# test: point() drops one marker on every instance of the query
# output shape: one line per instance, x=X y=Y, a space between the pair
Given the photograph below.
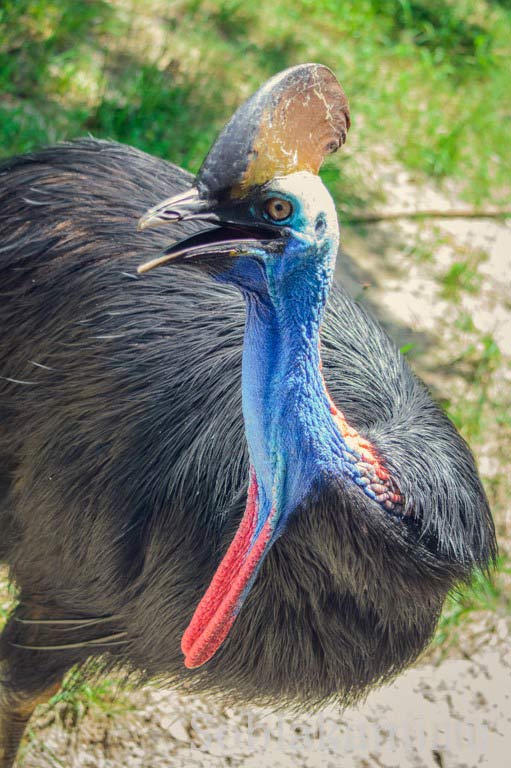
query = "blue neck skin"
x=292 y=438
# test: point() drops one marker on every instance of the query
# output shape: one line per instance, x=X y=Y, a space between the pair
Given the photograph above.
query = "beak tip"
x=147 y=220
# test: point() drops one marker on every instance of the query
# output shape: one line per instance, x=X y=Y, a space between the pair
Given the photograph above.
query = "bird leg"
x=15 y=712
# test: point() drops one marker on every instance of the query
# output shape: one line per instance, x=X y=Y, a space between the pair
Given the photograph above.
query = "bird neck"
x=291 y=435
x=298 y=439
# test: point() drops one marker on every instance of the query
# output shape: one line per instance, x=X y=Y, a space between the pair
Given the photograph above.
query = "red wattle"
x=216 y=612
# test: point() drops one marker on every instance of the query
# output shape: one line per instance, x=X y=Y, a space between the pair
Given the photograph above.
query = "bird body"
x=136 y=411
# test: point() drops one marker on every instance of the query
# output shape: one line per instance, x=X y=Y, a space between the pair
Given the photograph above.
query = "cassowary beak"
x=231 y=237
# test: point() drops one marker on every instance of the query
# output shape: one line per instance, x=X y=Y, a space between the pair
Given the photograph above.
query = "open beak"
x=231 y=236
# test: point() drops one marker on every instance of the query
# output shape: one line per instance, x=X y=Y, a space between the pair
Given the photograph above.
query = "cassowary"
x=137 y=409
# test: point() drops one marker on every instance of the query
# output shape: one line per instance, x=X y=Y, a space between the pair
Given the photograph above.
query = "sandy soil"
x=454 y=716
x=452 y=712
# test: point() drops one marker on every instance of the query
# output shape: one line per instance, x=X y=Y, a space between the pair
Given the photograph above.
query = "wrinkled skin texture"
x=124 y=470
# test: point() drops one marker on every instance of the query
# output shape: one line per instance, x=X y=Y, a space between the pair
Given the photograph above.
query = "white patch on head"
x=314 y=200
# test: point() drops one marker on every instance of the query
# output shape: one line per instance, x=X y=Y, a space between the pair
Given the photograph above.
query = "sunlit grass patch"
x=80 y=695
x=427 y=80
x=476 y=412
x=462 y=276
x=489 y=593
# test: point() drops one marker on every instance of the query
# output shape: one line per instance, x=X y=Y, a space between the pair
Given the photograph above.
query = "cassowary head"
x=377 y=511
x=273 y=217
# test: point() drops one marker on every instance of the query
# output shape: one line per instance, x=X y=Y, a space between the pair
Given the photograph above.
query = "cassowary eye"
x=278 y=209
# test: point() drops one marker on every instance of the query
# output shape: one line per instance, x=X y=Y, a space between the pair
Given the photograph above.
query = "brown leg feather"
x=14 y=716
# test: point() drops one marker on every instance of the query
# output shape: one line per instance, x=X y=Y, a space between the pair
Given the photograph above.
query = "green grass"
x=487 y=593
x=461 y=276
x=426 y=78
x=79 y=696
x=480 y=409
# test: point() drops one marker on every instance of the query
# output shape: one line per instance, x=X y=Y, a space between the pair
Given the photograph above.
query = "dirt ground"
x=453 y=716
x=453 y=710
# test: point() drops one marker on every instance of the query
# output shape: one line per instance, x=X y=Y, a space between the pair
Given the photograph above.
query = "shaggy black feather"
x=123 y=464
